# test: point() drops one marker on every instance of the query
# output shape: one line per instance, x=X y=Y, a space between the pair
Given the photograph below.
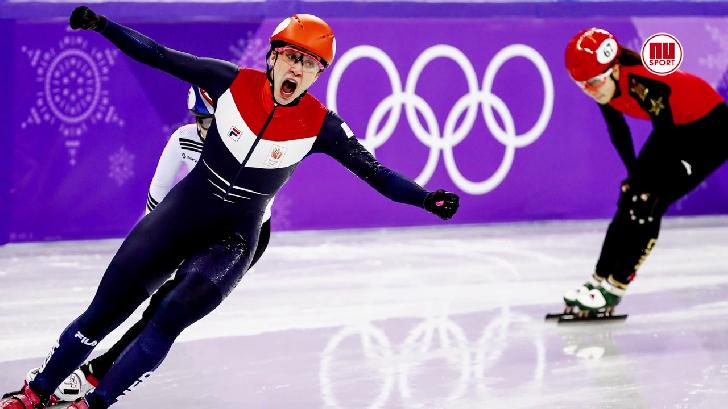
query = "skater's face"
x=203 y=125
x=294 y=71
x=602 y=87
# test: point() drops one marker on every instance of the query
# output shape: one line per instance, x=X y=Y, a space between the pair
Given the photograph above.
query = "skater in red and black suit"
x=264 y=125
x=688 y=142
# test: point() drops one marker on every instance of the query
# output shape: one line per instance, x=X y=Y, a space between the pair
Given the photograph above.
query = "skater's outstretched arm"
x=620 y=135
x=338 y=141
x=214 y=75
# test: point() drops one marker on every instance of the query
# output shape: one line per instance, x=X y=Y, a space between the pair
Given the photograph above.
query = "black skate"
x=591 y=303
x=569 y=311
x=586 y=316
x=592 y=316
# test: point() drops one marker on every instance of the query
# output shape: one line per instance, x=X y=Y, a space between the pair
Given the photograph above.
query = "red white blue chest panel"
x=241 y=115
x=256 y=144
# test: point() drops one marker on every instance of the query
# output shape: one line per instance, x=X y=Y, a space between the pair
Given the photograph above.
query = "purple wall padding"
x=6 y=138
x=479 y=106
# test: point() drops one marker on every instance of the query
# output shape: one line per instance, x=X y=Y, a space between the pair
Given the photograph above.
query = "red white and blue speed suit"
x=252 y=148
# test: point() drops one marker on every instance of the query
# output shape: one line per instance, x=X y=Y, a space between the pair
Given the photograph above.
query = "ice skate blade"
x=600 y=317
x=556 y=316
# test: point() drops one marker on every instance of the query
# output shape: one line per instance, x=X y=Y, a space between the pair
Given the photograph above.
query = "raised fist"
x=85 y=19
x=441 y=203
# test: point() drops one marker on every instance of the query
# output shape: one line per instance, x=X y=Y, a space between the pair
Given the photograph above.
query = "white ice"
x=437 y=317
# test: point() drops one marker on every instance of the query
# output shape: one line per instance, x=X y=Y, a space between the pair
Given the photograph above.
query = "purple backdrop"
x=88 y=123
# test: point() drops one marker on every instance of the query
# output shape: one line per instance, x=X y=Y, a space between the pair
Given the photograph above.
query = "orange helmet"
x=590 y=53
x=308 y=32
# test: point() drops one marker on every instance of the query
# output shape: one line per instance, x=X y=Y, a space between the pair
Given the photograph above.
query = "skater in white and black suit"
x=265 y=124
x=183 y=148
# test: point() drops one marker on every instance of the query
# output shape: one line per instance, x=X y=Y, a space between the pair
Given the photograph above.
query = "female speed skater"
x=688 y=142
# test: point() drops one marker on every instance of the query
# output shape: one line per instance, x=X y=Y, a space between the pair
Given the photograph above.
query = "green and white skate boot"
x=571 y=297
x=602 y=299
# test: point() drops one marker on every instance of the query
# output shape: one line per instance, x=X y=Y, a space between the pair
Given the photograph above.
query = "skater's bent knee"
x=191 y=300
x=640 y=207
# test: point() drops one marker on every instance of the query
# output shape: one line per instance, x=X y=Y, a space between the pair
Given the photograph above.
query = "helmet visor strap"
x=292 y=56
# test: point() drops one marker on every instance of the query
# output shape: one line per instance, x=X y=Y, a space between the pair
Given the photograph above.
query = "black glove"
x=85 y=19
x=441 y=203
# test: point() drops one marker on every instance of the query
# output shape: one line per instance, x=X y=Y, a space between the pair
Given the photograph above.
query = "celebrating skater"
x=264 y=125
x=689 y=141
x=182 y=152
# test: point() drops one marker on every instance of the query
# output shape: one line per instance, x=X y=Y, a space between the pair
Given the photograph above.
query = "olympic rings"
x=444 y=139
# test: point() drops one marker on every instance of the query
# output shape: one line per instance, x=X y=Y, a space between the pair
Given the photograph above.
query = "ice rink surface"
x=437 y=317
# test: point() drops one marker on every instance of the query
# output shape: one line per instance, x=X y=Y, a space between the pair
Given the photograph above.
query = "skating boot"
x=76 y=385
x=26 y=398
x=28 y=377
x=90 y=374
x=571 y=297
x=78 y=404
x=601 y=300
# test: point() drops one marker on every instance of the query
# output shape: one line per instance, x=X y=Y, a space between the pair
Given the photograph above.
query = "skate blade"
x=556 y=316
x=571 y=318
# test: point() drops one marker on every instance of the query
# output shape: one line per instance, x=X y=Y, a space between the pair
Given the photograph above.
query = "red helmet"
x=590 y=53
x=309 y=33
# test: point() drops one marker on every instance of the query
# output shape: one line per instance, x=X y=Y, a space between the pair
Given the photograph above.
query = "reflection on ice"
x=440 y=317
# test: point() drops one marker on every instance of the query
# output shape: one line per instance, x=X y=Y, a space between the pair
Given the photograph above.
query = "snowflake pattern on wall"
x=121 y=166
x=719 y=59
x=71 y=80
x=250 y=51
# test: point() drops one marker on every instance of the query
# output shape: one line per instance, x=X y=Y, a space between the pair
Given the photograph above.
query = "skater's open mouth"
x=288 y=87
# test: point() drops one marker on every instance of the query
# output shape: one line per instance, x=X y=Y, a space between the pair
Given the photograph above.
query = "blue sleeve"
x=336 y=140
x=215 y=76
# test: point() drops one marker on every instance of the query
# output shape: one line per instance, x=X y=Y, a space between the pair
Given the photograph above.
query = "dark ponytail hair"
x=629 y=57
